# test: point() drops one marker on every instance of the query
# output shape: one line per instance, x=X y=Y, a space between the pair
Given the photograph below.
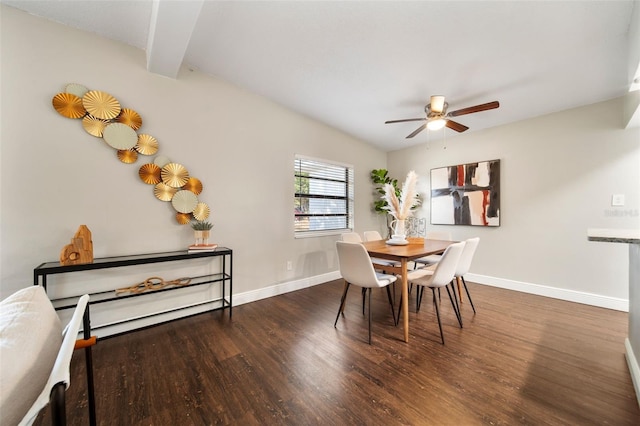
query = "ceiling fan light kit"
x=436 y=123
x=437 y=116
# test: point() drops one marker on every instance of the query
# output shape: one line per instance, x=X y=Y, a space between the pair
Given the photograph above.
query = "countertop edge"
x=628 y=236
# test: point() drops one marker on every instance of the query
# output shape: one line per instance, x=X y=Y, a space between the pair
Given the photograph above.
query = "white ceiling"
x=355 y=64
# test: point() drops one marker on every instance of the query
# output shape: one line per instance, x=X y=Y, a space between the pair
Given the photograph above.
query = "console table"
x=222 y=278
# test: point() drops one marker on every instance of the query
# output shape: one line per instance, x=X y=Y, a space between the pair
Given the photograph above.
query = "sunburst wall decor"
x=103 y=117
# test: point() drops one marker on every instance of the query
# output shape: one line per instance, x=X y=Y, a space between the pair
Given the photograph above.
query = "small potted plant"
x=202 y=230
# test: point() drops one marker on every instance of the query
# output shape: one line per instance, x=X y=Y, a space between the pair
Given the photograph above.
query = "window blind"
x=323 y=202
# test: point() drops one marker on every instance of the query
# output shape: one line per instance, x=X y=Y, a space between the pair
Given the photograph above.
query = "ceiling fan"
x=438 y=117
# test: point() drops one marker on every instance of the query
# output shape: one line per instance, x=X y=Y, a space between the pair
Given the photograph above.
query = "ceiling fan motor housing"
x=432 y=114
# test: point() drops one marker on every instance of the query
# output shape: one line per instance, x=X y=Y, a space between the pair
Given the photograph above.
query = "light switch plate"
x=617 y=200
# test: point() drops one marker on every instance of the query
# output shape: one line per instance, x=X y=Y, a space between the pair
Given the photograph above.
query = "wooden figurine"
x=80 y=250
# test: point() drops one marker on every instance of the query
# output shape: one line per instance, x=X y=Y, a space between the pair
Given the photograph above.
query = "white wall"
x=56 y=177
x=558 y=173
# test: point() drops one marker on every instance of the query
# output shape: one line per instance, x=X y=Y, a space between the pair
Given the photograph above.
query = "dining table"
x=414 y=249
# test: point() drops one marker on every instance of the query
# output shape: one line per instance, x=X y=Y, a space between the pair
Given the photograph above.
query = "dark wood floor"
x=523 y=359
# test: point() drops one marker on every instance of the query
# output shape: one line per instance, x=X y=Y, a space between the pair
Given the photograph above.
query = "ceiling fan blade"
x=477 y=108
x=453 y=125
x=416 y=131
x=402 y=121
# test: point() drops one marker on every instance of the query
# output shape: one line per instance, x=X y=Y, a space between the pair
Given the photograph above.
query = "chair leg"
x=456 y=309
x=57 y=403
x=369 y=315
x=88 y=359
x=419 y=293
x=468 y=295
x=415 y=266
x=435 y=302
x=346 y=284
x=393 y=313
x=364 y=293
x=397 y=319
x=344 y=298
x=455 y=298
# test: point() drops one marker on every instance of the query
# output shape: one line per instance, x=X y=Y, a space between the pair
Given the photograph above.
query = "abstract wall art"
x=466 y=194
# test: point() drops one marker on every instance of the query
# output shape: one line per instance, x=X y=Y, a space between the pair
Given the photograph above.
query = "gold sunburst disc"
x=101 y=105
x=68 y=105
x=127 y=156
x=201 y=212
x=174 y=175
x=150 y=174
x=183 y=218
x=94 y=126
x=147 y=145
x=194 y=185
x=130 y=118
x=164 y=192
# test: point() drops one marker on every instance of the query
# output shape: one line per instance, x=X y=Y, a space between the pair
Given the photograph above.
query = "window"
x=323 y=203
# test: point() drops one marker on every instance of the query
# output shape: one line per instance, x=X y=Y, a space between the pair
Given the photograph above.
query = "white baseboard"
x=634 y=369
x=282 y=288
x=541 y=290
x=554 y=292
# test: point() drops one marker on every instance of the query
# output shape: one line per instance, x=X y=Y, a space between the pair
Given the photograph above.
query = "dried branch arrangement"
x=400 y=208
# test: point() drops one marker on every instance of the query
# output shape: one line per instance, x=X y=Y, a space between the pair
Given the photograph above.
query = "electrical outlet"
x=617 y=200
x=289 y=265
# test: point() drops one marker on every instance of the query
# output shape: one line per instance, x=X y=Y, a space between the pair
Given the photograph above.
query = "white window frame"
x=302 y=162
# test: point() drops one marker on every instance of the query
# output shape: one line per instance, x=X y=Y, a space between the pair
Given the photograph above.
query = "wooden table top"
x=417 y=247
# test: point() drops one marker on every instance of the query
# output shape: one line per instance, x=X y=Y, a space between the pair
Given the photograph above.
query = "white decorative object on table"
x=400 y=208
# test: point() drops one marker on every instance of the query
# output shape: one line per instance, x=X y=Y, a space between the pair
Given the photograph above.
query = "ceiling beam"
x=172 y=23
x=632 y=100
x=633 y=59
x=632 y=110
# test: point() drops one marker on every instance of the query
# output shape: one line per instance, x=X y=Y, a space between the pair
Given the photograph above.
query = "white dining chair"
x=434 y=258
x=379 y=263
x=372 y=235
x=375 y=236
x=354 y=237
x=356 y=268
x=350 y=237
x=464 y=265
x=441 y=275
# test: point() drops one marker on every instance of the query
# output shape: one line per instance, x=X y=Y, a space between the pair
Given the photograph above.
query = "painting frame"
x=466 y=194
